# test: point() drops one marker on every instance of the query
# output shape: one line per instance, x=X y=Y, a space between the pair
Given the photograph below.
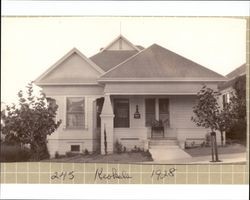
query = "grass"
x=206 y=151
x=128 y=157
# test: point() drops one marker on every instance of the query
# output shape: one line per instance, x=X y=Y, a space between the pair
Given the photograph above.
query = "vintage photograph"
x=126 y=90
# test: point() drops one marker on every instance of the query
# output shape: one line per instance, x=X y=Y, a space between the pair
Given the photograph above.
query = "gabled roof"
x=232 y=76
x=119 y=50
x=241 y=70
x=108 y=59
x=156 y=62
x=121 y=43
x=41 y=80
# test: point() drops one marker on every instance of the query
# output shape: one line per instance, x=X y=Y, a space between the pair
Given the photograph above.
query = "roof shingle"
x=237 y=72
x=108 y=59
x=158 y=62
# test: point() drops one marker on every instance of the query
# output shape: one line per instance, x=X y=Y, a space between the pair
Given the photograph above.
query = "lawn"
x=206 y=151
x=128 y=157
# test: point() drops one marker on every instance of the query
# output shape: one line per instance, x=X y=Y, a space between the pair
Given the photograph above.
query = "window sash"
x=75 y=112
x=75 y=148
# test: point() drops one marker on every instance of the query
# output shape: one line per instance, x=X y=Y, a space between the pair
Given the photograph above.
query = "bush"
x=57 y=154
x=147 y=154
x=118 y=147
x=86 y=152
x=208 y=140
x=71 y=154
x=137 y=149
x=11 y=153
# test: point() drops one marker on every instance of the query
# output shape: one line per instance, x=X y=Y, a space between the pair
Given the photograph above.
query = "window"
x=164 y=111
x=75 y=148
x=225 y=99
x=75 y=112
x=150 y=111
x=121 y=110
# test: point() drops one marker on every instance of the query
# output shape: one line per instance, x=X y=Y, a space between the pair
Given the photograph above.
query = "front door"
x=121 y=111
x=157 y=116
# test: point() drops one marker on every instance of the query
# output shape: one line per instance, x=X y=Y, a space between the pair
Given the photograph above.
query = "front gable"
x=121 y=43
x=73 y=68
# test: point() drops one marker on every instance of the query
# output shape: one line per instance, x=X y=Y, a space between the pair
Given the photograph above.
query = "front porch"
x=128 y=120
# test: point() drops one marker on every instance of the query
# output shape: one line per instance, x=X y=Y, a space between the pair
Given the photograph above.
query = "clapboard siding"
x=181 y=111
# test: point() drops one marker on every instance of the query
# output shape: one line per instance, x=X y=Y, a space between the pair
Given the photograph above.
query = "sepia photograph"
x=123 y=90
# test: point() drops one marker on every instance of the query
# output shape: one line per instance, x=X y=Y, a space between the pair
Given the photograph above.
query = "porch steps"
x=166 y=149
x=163 y=143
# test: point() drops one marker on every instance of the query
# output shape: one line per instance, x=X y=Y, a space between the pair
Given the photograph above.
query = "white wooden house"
x=120 y=91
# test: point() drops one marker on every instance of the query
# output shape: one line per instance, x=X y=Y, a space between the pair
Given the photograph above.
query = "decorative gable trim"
x=71 y=52
x=123 y=38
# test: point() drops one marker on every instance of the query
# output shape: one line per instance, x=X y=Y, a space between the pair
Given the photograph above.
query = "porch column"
x=157 y=109
x=107 y=124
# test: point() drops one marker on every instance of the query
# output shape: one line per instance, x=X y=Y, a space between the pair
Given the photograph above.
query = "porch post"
x=107 y=124
x=157 y=109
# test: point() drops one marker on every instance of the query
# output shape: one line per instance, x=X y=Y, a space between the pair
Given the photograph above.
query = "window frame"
x=75 y=145
x=84 y=113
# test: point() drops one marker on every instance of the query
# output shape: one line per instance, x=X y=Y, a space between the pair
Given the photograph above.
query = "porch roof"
x=156 y=62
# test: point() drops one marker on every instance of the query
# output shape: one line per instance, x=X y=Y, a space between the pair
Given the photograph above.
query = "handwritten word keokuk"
x=99 y=174
x=63 y=175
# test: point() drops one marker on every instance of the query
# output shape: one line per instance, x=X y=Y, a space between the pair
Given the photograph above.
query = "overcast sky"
x=31 y=45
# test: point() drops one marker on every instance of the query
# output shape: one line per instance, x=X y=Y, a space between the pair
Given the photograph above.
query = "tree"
x=209 y=114
x=238 y=103
x=30 y=122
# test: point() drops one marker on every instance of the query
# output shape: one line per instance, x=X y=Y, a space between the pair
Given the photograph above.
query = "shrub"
x=147 y=154
x=86 y=152
x=137 y=149
x=118 y=147
x=57 y=154
x=10 y=153
x=71 y=154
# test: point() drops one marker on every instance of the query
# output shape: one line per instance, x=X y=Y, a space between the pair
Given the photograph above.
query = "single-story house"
x=118 y=93
x=226 y=88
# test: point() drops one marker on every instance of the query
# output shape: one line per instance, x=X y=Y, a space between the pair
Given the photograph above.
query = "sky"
x=30 y=45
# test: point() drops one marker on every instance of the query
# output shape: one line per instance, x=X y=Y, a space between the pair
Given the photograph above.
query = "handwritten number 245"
x=63 y=175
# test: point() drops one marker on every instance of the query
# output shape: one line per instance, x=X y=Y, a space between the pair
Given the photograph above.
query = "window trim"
x=85 y=113
x=75 y=145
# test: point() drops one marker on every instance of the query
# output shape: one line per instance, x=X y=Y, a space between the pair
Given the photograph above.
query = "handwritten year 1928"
x=63 y=175
x=161 y=174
